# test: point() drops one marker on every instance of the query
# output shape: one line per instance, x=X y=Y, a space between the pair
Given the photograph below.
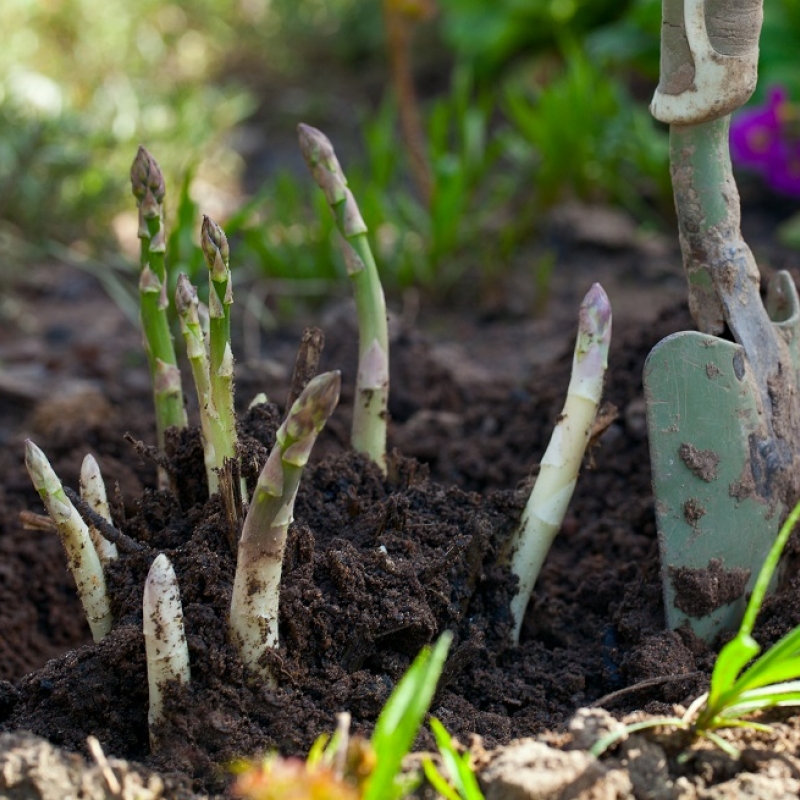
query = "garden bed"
x=375 y=567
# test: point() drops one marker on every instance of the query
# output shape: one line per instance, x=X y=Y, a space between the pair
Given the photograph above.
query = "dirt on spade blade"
x=376 y=567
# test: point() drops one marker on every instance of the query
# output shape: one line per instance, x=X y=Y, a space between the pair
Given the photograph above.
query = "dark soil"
x=375 y=568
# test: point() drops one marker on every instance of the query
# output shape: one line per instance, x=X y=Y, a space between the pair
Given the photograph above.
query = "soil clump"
x=376 y=567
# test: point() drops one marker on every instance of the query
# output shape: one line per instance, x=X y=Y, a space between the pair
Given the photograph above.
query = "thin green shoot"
x=771 y=681
x=400 y=720
x=462 y=783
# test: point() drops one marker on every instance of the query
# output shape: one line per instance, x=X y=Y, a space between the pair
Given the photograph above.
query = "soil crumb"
x=698 y=592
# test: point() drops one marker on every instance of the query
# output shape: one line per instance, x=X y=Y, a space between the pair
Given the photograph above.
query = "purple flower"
x=765 y=139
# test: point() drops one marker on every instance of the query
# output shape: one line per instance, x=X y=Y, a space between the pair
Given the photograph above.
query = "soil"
x=376 y=566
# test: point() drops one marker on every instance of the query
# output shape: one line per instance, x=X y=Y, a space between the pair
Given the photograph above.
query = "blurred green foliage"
x=491 y=34
x=780 y=49
x=546 y=99
x=82 y=83
x=589 y=139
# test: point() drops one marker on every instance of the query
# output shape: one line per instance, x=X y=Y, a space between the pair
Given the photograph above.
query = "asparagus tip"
x=215 y=249
x=315 y=146
x=147 y=183
x=321 y=159
x=185 y=295
x=598 y=307
x=38 y=468
x=315 y=405
x=594 y=324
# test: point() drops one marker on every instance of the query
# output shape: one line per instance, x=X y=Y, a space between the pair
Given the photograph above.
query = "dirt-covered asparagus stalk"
x=84 y=563
x=558 y=474
x=93 y=491
x=370 y=410
x=187 y=305
x=164 y=637
x=147 y=183
x=256 y=587
x=220 y=299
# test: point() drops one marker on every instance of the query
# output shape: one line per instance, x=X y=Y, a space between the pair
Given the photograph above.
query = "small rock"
x=531 y=770
x=590 y=724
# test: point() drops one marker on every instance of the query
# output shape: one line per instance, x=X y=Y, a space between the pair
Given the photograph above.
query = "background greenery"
x=524 y=103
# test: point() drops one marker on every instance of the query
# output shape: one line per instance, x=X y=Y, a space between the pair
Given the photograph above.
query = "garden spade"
x=722 y=402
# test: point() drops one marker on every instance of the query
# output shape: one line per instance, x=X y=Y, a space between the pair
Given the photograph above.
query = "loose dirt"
x=376 y=567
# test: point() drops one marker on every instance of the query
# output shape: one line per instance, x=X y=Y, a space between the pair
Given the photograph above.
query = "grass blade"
x=399 y=722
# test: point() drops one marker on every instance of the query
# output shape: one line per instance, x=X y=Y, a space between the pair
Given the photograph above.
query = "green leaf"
x=777 y=694
x=457 y=766
x=730 y=662
x=399 y=722
x=780 y=663
x=438 y=781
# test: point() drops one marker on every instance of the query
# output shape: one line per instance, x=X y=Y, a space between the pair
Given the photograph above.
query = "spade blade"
x=714 y=530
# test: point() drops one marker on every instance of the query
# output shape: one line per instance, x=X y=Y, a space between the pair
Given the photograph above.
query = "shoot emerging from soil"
x=147 y=183
x=84 y=563
x=187 y=306
x=256 y=586
x=215 y=248
x=164 y=638
x=558 y=475
x=93 y=491
x=370 y=410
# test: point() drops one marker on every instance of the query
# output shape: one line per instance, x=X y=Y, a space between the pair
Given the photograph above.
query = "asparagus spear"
x=147 y=183
x=370 y=412
x=93 y=491
x=558 y=475
x=186 y=303
x=256 y=586
x=82 y=558
x=220 y=298
x=164 y=638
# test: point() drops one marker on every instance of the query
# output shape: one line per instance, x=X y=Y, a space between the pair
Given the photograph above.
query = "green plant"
x=370 y=410
x=736 y=689
x=219 y=408
x=341 y=768
x=259 y=563
x=490 y=35
x=79 y=87
x=589 y=139
x=462 y=783
x=148 y=187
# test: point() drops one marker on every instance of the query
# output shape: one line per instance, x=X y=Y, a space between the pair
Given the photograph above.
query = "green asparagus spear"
x=220 y=298
x=370 y=413
x=147 y=183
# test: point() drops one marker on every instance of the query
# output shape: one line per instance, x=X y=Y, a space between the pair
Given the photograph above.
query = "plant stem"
x=220 y=298
x=370 y=411
x=164 y=638
x=547 y=504
x=256 y=586
x=93 y=491
x=399 y=20
x=186 y=303
x=147 y=183
x=82 y=558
